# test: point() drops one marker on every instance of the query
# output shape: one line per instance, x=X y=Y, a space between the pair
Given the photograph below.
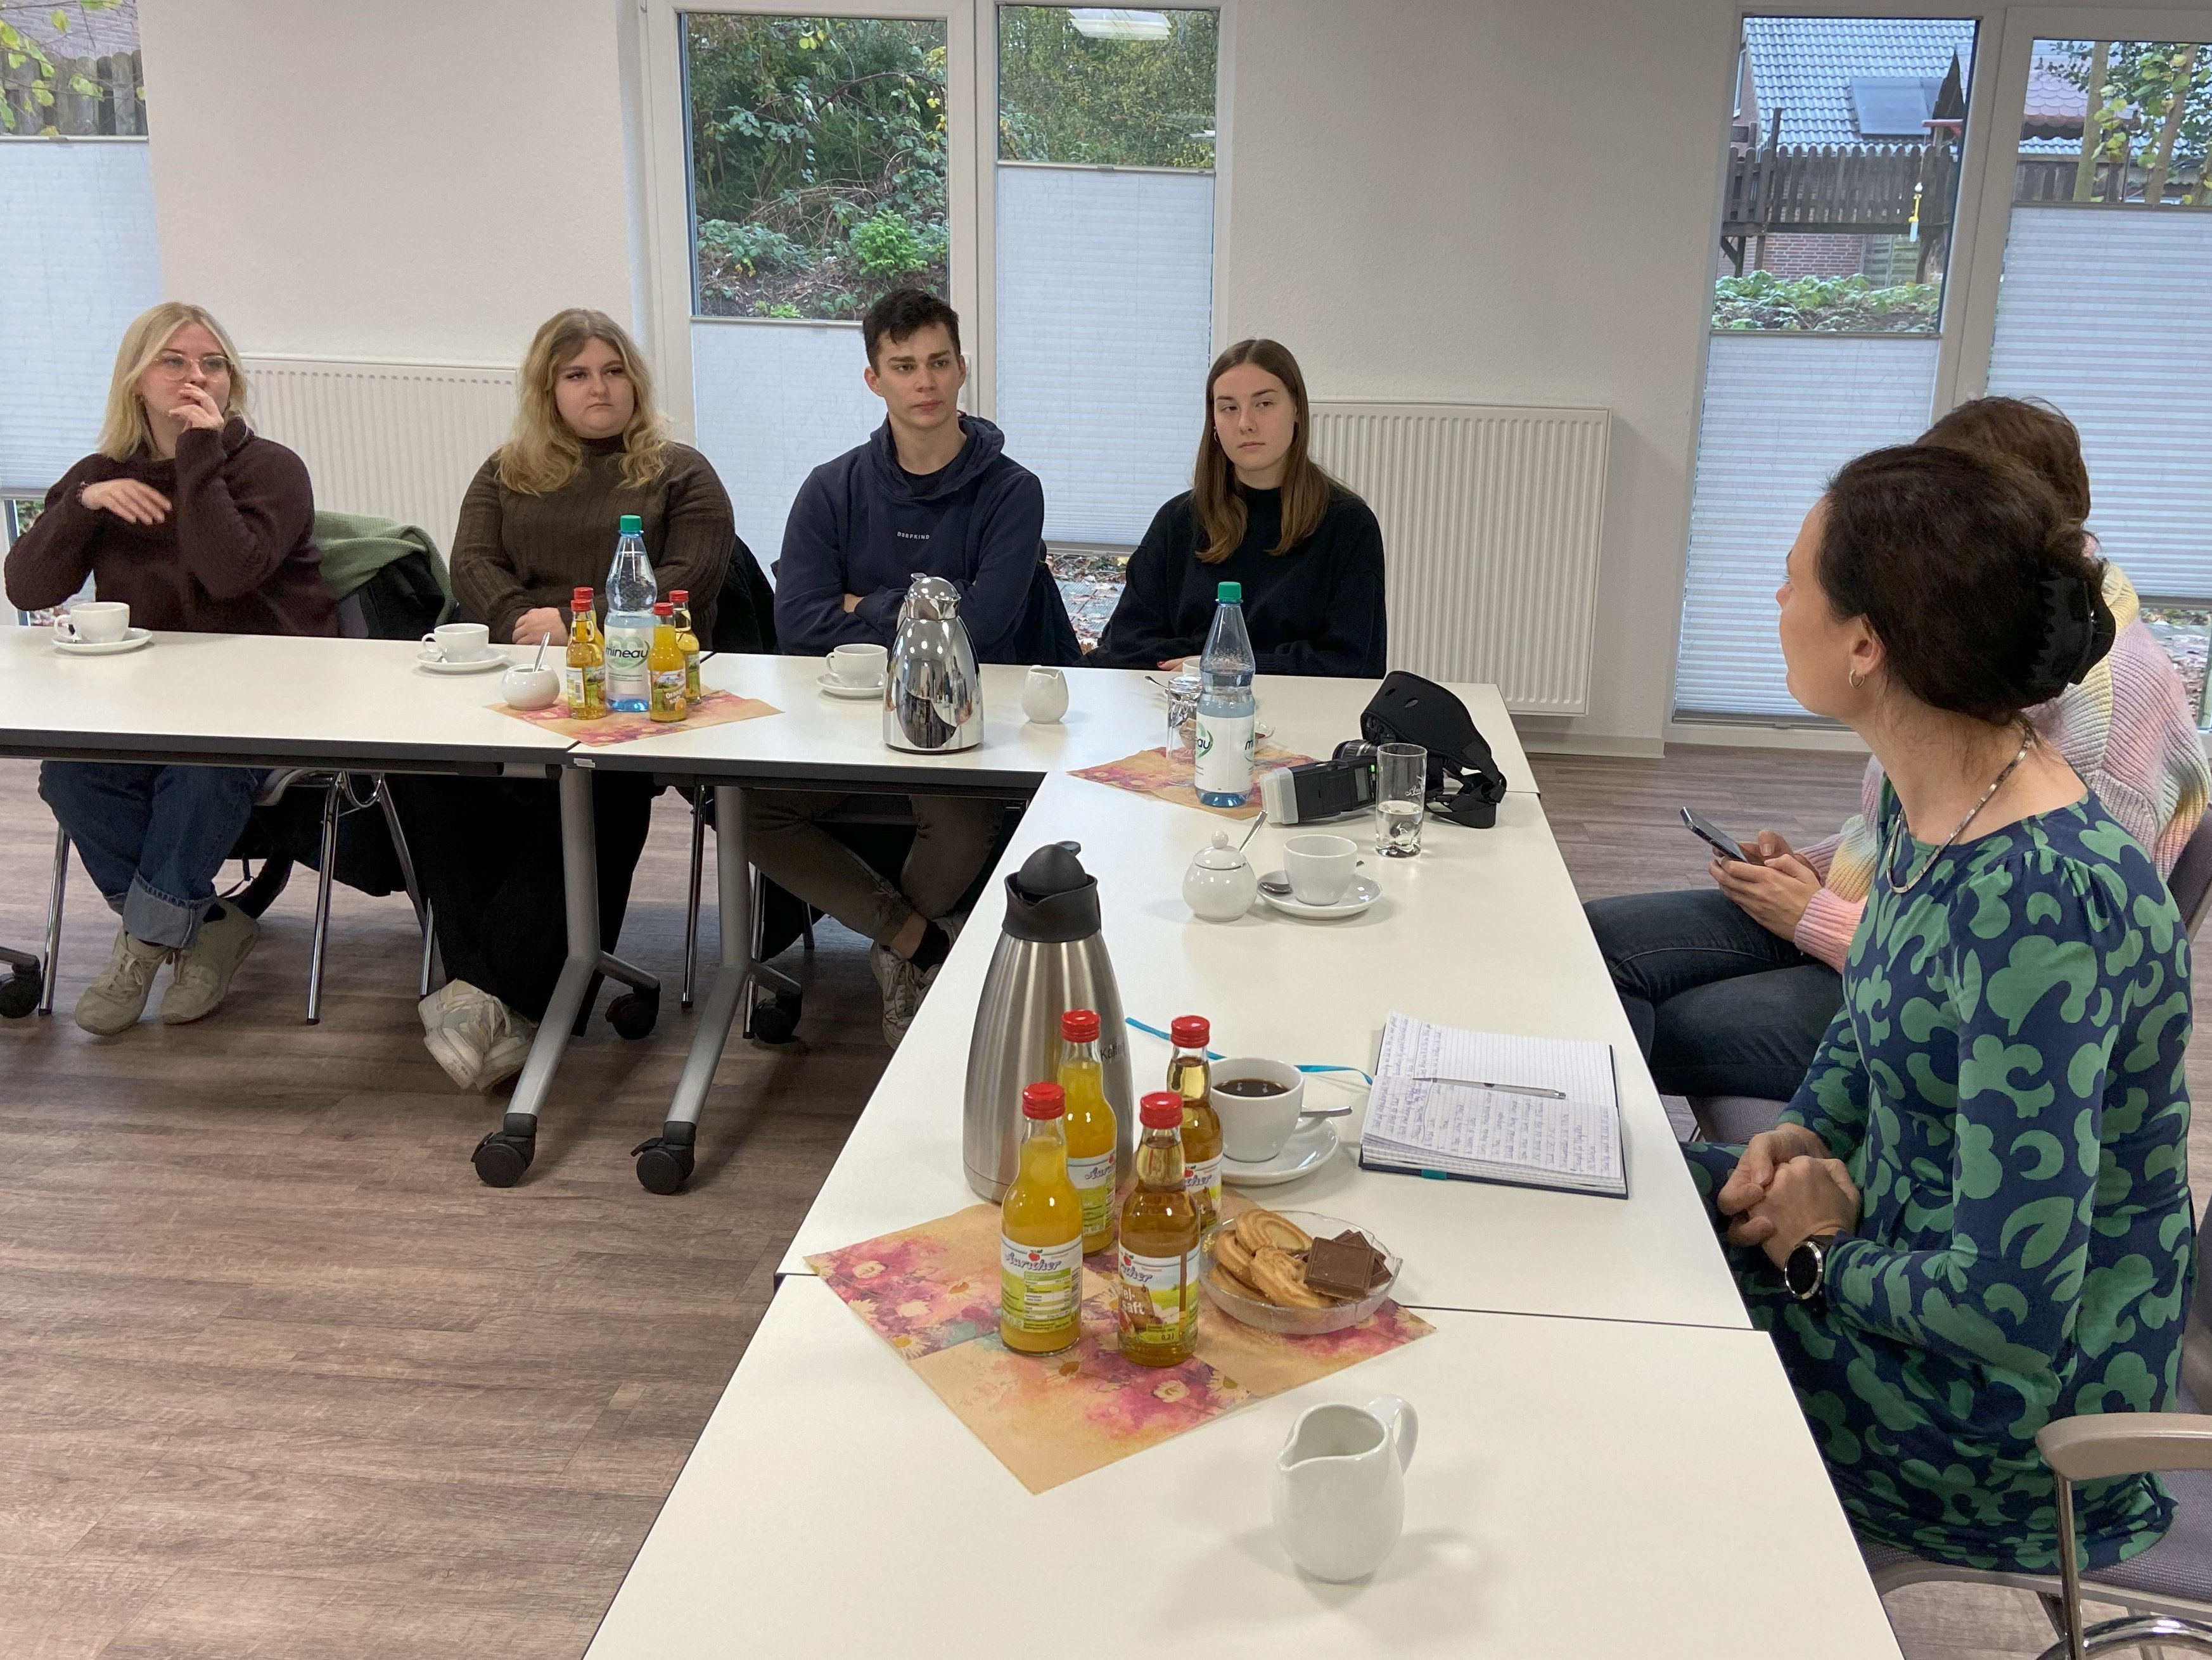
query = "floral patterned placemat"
x=626 y=725
x=1167 y=774
x=931 y=1292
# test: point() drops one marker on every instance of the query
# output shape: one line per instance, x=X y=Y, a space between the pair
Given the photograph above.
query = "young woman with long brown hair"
x=1260 y=512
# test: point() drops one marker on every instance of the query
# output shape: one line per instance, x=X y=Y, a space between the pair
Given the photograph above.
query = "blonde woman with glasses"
x=196 y=523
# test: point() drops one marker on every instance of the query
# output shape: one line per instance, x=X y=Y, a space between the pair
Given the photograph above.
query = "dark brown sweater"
x=234 y=555
x=513 y=553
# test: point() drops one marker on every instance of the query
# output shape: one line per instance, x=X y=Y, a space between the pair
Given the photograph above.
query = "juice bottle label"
x=668 y=694
x=1201 y=1179
x=1039 y=1285
x=1159 y=1300
x=1094 y=1186
x=587 y=690
x=691 y=692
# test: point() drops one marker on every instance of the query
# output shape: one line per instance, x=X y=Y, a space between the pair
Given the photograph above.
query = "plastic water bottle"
x=630 y=594
x=1226 y=711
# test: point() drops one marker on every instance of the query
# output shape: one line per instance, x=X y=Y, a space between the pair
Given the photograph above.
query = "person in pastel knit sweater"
x=1730 y=989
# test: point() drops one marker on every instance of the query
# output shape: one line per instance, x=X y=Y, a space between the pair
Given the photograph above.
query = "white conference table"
x=1579 y=1488
x=817 y=741
x=1482 y=930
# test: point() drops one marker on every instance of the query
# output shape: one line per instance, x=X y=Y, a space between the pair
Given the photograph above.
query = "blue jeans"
x=152 y=838
x=1720 y=1007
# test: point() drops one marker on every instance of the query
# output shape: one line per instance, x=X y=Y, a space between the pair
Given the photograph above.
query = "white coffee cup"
x=1253 y=1127
x=456 y=642
x=858 y=665
x=1320 y=867
x=95 y=621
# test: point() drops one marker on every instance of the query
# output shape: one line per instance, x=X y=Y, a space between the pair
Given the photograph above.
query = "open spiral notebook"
x=1439 y=1109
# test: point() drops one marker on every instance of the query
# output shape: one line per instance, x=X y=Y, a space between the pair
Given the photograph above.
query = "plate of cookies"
x=1297 y=1271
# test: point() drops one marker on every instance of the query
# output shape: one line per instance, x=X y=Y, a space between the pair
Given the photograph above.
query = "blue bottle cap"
x=632 y=525
x=1230 y=593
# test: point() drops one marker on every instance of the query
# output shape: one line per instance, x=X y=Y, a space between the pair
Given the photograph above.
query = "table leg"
x=664 y=1163
x=502 y=1156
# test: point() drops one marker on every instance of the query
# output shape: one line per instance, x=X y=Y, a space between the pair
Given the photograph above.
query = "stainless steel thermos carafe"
x=1050 y=959
x=933 y=697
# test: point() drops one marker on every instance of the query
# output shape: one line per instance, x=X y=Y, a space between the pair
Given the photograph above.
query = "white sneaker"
x=900 y=982
x=509 y=1050
x=117 y=996
x=472 y=1025
x=453 y=995
x=201 y=977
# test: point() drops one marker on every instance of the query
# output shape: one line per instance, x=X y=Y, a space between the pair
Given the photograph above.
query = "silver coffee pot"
x=1050 y=959
x=932 y=697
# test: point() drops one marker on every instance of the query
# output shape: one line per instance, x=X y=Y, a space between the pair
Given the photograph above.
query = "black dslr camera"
x=1465 y=785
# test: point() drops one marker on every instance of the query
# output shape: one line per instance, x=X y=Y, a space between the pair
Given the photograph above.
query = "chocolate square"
x=1343 y=1267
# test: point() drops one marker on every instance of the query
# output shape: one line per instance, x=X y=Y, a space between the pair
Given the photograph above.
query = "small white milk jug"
x=1340 y=1485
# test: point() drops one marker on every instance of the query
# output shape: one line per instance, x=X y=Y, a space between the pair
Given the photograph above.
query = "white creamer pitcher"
x=1340 y=1485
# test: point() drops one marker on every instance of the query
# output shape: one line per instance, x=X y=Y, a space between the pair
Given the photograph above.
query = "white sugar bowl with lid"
x=1220 y=884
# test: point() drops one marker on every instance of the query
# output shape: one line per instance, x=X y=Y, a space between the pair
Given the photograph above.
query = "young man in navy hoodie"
x=932 y=492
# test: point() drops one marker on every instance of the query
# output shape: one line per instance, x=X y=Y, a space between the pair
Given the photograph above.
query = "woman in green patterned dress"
x=1975 y=1217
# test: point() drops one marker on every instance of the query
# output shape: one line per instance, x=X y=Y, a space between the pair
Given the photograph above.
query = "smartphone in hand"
x=1714 y=837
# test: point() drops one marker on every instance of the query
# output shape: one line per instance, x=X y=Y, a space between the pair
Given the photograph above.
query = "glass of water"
x=1401 y=794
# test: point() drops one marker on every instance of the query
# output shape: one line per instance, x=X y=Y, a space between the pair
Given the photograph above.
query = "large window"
x=1839 y=193
x=78 y=254
x=817 y=153
x=2104 y=304
x=1104 y=258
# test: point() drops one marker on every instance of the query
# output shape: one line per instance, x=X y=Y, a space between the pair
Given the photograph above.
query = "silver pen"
x=1502 y=1088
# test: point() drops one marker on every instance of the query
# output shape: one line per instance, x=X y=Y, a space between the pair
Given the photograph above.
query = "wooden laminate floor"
x=278 y=1377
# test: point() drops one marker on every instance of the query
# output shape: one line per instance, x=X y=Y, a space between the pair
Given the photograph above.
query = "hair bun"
x=2077 y=632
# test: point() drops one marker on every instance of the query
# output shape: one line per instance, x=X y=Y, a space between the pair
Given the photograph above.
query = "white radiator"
x=1491 y=519
x=399 y=440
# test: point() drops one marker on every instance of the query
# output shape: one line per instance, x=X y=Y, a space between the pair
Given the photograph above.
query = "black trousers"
x=487 y=854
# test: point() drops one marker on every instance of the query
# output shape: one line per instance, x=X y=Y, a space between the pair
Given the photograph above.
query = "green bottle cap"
x=1230 y=593
x=632 y=525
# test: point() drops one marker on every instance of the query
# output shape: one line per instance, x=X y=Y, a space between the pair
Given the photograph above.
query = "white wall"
x=414 y=179
x=1481 y=201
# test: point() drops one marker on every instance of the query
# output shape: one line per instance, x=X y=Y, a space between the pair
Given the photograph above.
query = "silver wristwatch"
x=1803 y=1269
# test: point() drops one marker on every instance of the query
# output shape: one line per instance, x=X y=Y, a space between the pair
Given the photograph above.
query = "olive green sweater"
x=513 y=553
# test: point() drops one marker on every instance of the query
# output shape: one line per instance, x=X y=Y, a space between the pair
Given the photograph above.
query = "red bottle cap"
x=681 y=596
x=1161 y=1110
x=1079 y=1026
x=1190 y=1031
x=663 y=608
x=1046 y=1101
x=580 y=599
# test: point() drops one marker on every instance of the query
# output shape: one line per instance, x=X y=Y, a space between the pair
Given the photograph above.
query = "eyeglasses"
x=175 y=362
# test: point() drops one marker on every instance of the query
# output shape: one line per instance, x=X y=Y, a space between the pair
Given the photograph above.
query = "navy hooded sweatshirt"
x=863 y=524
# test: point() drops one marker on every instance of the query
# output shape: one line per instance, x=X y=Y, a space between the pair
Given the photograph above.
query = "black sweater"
x=1314 y=609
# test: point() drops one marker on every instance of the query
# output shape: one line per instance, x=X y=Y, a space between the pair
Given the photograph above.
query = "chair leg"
x=54 y=919
x=322 y=904
x=423 y=918
x=430 y=950
x=691 y=908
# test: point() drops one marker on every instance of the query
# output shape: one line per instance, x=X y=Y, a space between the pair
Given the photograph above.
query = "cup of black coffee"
x=1258 y=1102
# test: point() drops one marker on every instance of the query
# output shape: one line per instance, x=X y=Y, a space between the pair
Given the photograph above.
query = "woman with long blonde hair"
x=1303 y=553
x=196 y=523
x=540 y=521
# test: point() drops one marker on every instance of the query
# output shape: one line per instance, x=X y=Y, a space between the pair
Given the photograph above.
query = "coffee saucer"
x=833 y=687
x=131 y=641
x=1358 y=897
x=1312 y=1144
x=473 y=665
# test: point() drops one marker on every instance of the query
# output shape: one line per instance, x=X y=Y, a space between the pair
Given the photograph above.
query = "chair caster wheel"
x=19 y=995
x=501 y=1157
x=663 y=1165
x=776 y=1020
x=633 y=1013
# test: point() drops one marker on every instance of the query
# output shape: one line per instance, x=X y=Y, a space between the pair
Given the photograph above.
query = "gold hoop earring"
x=1854 y=677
